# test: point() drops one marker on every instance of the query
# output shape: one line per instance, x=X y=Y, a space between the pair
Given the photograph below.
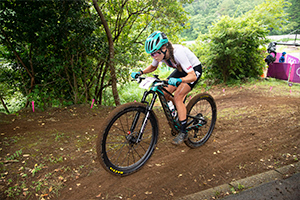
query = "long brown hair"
x=171 y=54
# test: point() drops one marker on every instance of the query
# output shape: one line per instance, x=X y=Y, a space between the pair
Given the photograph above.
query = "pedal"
x=174 y=133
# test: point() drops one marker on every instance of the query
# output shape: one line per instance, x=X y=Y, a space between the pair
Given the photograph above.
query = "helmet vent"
x=157 y=41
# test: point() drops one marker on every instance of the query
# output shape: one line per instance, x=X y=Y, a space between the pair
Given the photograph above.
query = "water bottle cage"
x=173 y=113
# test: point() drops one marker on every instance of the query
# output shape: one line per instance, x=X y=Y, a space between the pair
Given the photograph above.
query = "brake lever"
x=139 y=79
x=137 y=75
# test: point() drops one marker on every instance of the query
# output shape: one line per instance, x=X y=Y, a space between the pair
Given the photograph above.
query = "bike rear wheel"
x=202 y=116
x=118 y=148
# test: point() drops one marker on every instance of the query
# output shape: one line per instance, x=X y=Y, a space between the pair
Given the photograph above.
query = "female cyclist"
x=187 y=72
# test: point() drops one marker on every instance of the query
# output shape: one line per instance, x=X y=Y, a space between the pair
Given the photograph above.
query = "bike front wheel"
x=202 y=116
x=120 y=150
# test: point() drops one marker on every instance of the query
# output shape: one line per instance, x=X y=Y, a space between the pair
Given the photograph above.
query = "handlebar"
x=139 y=79
x=157 y=82
x=136 y=76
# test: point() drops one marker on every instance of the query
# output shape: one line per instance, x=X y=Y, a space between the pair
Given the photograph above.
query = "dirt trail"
x=256 y=131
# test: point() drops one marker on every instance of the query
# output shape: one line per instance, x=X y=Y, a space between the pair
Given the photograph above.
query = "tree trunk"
x=31 y=74
x=4 y=105
x=111 y=55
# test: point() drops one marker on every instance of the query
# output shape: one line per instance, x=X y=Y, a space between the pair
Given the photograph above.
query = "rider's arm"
x=149 y=69
x=190 y=77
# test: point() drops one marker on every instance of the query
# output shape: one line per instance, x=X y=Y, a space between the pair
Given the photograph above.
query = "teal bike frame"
x=158 y=90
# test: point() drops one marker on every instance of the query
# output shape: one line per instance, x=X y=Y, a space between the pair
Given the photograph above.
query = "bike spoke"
x=201 y=108
x=120 y=149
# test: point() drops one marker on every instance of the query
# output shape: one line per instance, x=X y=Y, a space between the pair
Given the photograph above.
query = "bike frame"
x=158 y=91
x=155 y=91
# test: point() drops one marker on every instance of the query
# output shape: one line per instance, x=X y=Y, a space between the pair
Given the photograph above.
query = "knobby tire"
x=118 y=154
x=201 y=105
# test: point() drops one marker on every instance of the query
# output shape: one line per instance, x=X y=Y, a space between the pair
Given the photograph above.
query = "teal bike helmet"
x=155 y=41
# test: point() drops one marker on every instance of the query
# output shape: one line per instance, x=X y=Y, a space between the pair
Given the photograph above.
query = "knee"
x=178 y=98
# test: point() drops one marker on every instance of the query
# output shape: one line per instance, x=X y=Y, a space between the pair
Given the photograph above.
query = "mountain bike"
x=129 y=134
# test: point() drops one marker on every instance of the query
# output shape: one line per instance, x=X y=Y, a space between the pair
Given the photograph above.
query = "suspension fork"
x=148 y=110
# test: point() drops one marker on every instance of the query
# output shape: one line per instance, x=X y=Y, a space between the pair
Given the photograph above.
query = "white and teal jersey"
x=183 y=57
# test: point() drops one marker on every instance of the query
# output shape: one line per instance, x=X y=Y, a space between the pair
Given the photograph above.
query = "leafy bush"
x=234 y=47
x=235 y=51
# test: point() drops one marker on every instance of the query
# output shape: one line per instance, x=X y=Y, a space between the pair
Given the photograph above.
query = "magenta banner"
x=279 y=70
x=289 y=70
x=291 y=59
x=295 y=73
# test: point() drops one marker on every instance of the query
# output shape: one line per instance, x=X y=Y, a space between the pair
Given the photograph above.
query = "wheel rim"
x=202 y=108
x=121 y=149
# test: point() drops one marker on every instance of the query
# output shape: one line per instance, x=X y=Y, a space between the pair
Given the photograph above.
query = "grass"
x=131 y=91
x=15 y=156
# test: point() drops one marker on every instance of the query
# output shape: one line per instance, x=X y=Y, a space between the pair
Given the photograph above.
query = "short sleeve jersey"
x=183 y=57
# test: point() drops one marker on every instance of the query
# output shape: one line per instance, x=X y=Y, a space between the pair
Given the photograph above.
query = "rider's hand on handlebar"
x=174 y=81
x=135 y=75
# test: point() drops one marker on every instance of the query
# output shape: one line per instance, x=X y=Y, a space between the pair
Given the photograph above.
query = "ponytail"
x=171 y=53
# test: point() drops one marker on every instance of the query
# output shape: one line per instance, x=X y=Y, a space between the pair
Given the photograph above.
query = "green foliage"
x=16 y=155
x=293 y=16
x=15 y=190
x=131 y=91
x=270 y=14
x=241 y=187
x=46 y=45
x=56 y=52
x=37 y=168
x=9 y=87
x=202 y=14
x=234 y=47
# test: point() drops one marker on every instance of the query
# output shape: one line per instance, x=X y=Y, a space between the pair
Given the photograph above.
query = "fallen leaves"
x=270 y=167
x=147 y=192
x=217 y=152
x=157 y=165
x=99 y=195
x=44 y=195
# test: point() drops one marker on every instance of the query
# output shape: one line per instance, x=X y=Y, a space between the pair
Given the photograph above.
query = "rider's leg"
x=175 y=74
x=179 y=96
x=170 y=89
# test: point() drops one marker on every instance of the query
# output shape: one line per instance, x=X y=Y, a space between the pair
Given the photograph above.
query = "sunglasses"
x=155 y=53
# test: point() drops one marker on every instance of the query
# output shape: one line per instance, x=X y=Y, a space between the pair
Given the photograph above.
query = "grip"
x=137 y=75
